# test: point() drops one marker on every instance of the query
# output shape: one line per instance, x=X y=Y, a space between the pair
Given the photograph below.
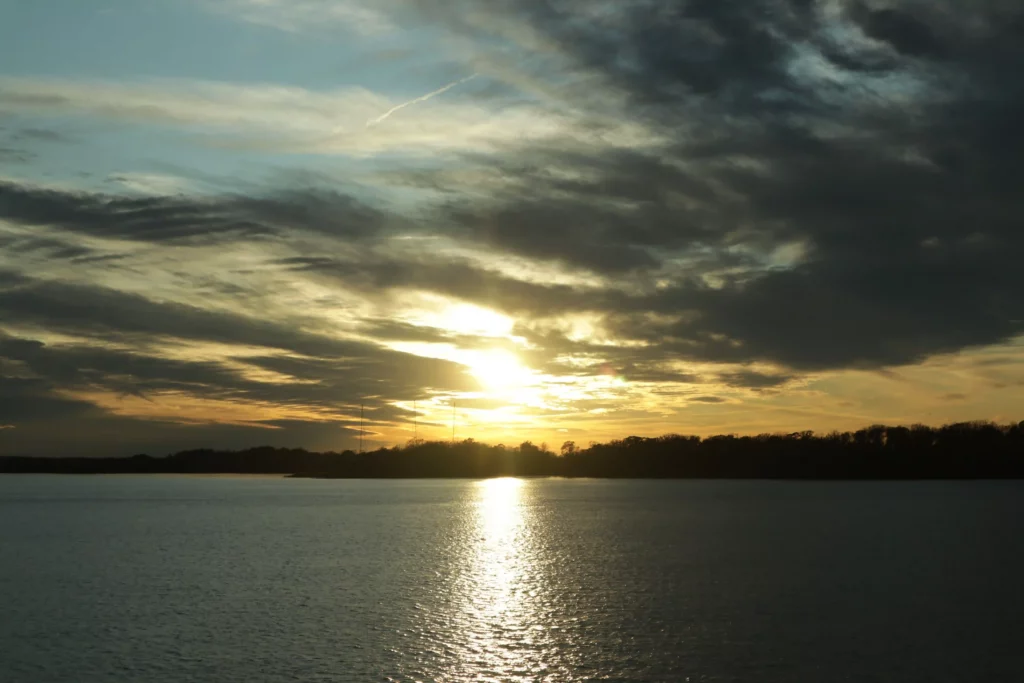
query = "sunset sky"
x=229 y=223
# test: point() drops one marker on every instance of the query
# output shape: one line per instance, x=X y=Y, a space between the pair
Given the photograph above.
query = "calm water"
x=142 y=580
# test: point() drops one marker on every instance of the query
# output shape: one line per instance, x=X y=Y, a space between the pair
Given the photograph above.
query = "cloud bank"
x=679 y=206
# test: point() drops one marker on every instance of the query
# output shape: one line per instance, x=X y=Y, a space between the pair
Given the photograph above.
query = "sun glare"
x=499 y=370
x=463 y=318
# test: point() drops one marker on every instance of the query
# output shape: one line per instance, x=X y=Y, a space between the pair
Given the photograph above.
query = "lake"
x=154 y=579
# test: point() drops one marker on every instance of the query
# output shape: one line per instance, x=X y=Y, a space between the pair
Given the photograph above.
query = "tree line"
x=968 y=450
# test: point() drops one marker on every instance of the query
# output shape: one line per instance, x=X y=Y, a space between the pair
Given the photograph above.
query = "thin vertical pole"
x=360 y=427
x=453 y=419
x=415 y=418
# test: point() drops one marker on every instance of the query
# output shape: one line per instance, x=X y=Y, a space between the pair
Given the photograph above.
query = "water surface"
x=154 y=579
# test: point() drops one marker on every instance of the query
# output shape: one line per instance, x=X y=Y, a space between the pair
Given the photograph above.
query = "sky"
x=230 y=223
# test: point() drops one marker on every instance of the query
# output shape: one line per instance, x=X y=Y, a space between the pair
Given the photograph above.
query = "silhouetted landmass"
x=969 y=450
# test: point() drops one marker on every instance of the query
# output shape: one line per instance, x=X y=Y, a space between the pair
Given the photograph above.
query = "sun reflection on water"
x=499 y=505
x=499 y=590
x=499 y=558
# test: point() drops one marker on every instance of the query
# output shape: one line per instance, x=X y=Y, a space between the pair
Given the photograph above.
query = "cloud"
x=751 y=379
x=18 y=145
x=275 y=118
x=867 y=172
x=187 y=365
x=30 y=400
x=30 y=134
x=15 y=155
x=111 y=315
x=19 y=246
x=741 y=196
x=298 y=15
x=157 y=184
x=229 y=108
x=156 y=219
x=163 y=217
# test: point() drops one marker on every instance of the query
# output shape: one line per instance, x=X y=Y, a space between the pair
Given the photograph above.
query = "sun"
x=499 y=371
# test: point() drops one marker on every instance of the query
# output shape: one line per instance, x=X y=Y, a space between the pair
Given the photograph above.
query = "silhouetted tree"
x=962 y=450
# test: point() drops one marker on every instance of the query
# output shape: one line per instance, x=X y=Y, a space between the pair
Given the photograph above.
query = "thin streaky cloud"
x=422 y=98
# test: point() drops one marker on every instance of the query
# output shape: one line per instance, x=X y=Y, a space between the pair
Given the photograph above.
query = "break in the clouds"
x=572 y=219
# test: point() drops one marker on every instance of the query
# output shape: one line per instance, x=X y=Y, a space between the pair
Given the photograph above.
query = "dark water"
x=173 y=579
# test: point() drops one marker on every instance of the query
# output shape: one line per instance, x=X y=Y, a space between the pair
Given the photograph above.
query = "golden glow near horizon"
x=589 y=401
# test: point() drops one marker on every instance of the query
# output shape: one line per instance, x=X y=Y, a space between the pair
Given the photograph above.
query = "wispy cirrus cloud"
x=288 y=119
x=296 y=15
x=152 y=183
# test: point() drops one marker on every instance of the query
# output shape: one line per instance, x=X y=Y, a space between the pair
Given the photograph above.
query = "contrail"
x=424 y=98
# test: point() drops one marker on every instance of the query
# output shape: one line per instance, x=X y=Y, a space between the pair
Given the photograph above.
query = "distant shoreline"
x=968 y=451
x=247 y=475
x=177 y=475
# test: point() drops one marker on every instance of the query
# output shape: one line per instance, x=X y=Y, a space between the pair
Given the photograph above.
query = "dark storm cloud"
x=570 y=234
x=83 y=367
x=890 y=164
x=189 y=220
x=664 y=52
x=31 y=394
x=111 y=314
x=450 y=276
x=751 y=379
x=615 y=212
x=331 y=373
x=376 y=374
x=150 y=219
x=31 y=404
x=53 y=249
x=322 y=211
x=81 y=309
x=904 y=32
